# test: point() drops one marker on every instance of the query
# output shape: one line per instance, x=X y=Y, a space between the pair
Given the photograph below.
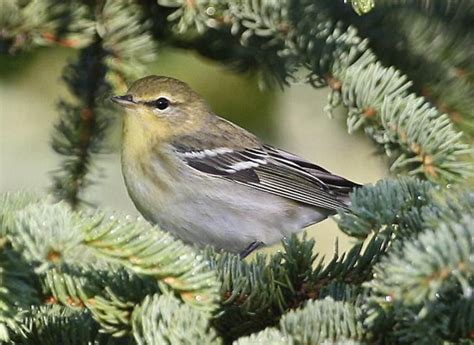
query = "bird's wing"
x=273 y=171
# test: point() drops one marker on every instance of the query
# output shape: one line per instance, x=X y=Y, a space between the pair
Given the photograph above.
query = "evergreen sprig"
x=17 y=290
x=425 y=281
x=432 y=50
x=125 y=278
x=56 y=325
x=165 y=320
x=149 y=251
x=26 y=24
x=88 y=261
x=419 y=139
x=81 y=130
x=69 y=277
x=309 y=325
x=404 y=202
x=121 y=46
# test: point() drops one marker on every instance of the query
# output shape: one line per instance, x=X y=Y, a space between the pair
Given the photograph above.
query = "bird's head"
x=162 y=106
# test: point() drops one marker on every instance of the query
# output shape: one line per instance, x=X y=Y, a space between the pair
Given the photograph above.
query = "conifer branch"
x=67 y=261
x=147 y=250
x=254 y=295
x=437 y=270
x=18 y=290
x=27 y=24
x=155 y=321
x=129 y=279
x=404 y=202
x=81 y=130
x=72 y=277
x=120 y=47
x=309 y=325
x=433 y=52
x=53 y=324
x=412 y=133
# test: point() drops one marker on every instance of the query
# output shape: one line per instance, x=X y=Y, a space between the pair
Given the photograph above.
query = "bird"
x=210 y=182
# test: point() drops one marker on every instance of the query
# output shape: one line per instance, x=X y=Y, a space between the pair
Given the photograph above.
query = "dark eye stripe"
x=161 y=103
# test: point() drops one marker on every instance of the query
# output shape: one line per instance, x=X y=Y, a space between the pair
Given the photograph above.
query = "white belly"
x=206 y=210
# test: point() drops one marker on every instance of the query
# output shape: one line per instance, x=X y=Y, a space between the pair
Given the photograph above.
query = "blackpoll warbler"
x=209 y=181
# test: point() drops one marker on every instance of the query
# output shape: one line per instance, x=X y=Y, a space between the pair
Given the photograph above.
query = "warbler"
x=211 y=182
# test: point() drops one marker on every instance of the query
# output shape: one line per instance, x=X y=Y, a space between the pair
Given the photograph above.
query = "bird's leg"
x=254 y=245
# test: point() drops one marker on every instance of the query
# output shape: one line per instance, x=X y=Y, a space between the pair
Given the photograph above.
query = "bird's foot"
x=253 y=246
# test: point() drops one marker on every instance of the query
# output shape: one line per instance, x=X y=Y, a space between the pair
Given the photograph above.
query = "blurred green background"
x=293 y=119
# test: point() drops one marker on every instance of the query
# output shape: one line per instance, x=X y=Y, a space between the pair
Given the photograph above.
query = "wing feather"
x=274 y=171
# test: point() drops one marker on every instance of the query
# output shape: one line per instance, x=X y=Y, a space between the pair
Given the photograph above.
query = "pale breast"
x=203 y=209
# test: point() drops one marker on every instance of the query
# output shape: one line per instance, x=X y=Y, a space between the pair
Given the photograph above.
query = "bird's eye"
x=162 y=103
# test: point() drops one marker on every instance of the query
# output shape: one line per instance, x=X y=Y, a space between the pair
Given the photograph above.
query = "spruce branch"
x=234 y=32
x=127 y=40
x=80 y=131
x=26 y=24
x=402 y=214
x=311 y=325
x=448 y=205
x=418 y=271
x=434 y=53
x=49 y=234
x=437 y=282
x=57 y=325
x=110 y=293
x=146 y=250
x=18 y=290
x=120 y=48
x=353 y=267
x=251 y=297
x=18 y=283
x=10 y=203
x=267 y=336
x=82 y=261
x=165 y=320
x=419 y=139
x=254 y=295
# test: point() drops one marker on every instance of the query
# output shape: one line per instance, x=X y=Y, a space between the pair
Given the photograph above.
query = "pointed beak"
x=124 y=101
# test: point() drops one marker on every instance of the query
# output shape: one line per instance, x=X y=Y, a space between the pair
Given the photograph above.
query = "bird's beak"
x=125 y=100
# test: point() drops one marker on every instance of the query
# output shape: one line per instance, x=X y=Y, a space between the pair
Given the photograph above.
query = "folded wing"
x=274 y=171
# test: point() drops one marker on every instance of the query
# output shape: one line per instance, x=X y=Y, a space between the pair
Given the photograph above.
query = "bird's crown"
x=152 y=87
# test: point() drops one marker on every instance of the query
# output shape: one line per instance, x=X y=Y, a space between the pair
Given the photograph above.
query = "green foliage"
x=105 y=265
x=430 y=42
x=317 y=322
x=120 y=47
x=424 y=283
x=404 y=71
x=56 y=325
x=403 y=202
x=164 y=320
x=147 y=250
x=26 y=24
x=419 y=139
x=280 y=39
x=122 y=279
x=323 y=320
x=17 y=290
